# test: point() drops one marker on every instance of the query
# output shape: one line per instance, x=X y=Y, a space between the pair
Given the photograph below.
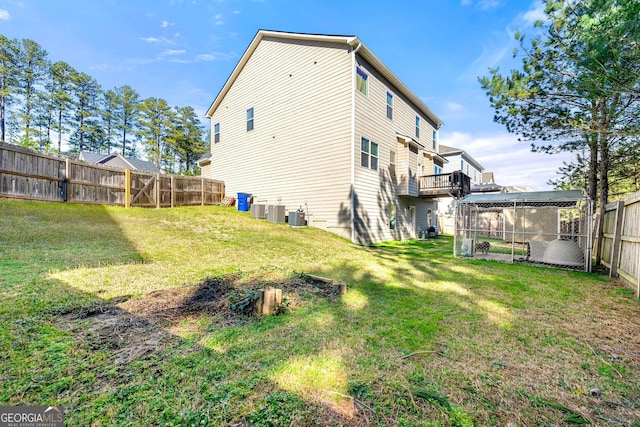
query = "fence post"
x=202 y=189
x=127 y=188
x=158 y=191
x=173 y=191
x=600 y=234
x=617 y=239
x=67 y=181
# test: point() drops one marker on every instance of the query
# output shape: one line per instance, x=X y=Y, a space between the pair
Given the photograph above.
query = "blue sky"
x=184 y=50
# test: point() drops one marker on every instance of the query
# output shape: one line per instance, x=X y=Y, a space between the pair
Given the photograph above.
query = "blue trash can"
x=244 y=201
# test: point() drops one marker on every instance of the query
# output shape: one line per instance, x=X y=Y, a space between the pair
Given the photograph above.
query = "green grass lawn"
x=94 y=317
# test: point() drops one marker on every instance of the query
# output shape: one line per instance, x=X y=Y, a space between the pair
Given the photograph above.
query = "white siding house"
x=318 y=122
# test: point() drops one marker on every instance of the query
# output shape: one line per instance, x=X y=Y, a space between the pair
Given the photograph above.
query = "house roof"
x=136 y=164
x=353 y=41
x=91 y=157
x=446 y=151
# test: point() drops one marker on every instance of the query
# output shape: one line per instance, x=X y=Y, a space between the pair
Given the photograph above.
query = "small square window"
x=362 y=81
x=216 y=133
x=250 y=119
x=389 y=106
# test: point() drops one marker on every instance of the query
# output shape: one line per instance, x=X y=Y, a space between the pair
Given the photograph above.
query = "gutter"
x=353 y=138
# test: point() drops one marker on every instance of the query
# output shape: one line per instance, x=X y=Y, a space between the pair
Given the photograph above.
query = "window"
x=417 y=127
x=250 y=119
x=437 y=170
x=368 y=154
x=392 y=164
x=461 y=165
x=435 y=136
x=392 y=217
x=216 y=133
x=362 y=81
x=389 y=106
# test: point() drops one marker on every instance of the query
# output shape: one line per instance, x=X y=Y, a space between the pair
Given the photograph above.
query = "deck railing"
x=456 y=184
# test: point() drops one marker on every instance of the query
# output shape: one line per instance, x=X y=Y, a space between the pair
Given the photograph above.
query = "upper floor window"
x=461 y=165
x=437 y=170
x=250 y=119
x=368 y=154
x=392 y=163
x=435 y=137
x=417 y=127
x=362 y=81
x=389 y=106
x=216 y=133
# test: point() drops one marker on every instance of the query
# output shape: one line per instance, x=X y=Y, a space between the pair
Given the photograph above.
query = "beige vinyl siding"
x=299 y=149
x=377 y=190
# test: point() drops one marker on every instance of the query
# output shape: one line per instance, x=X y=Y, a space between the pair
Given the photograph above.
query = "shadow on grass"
x=353 y=361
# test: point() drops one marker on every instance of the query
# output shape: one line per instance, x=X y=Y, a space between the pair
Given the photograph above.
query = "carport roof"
x=539 y=197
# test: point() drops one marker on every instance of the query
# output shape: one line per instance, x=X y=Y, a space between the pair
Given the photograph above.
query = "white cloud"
x=157 y=40
x=510 y=160
x=454 y=106
x=488 y=4
x=4 y=14
x=483 y=4
x=206 y=57
x=166 y=24
x=173 y=52
x=236 y=12
x=535 y=13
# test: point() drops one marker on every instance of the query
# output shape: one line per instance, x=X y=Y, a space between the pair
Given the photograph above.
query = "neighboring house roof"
x=488 y=188
x=105 y=159
x=91 y=157
x=452 y=151
x=487 y=178
x=205 y=159
x=352 y=41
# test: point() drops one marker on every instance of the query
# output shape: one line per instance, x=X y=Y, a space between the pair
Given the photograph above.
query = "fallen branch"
x=418 y=352
x=634 y=354
x=601 y=358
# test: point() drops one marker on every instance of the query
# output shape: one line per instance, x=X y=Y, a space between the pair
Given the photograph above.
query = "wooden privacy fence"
x=27 y=174
x=617 y=245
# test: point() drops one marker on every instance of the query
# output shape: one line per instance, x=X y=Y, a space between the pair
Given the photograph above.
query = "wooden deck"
x=454 y=184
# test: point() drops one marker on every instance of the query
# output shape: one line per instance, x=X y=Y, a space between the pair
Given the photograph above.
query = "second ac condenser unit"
x=276 y=213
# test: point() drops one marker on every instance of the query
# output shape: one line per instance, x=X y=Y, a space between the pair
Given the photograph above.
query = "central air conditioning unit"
x=296 y=218
x=276 y=213
x=259 y=211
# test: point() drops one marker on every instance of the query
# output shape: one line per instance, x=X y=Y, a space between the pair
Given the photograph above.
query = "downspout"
x=353 y=139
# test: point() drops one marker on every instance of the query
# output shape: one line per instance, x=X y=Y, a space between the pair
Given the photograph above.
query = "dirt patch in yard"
x=133 y=327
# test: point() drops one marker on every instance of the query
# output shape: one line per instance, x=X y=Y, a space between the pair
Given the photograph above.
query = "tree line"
x=45 y=103
x=578 y=90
